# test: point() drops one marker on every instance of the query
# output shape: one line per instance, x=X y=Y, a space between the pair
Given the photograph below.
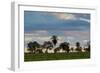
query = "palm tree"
x=54 y=39
x=65 y=46
x=78 y=47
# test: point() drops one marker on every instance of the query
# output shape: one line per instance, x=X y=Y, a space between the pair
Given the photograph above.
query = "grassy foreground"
x=58 y=56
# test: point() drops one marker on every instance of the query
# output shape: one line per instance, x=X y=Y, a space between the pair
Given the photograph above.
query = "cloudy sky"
x=69 y=27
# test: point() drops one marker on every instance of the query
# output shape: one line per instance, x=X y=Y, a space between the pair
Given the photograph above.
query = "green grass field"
x=58 y=56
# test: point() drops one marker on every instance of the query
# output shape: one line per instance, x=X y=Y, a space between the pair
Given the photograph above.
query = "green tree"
x=32 y=46
x=65 y=46
x=47 y=45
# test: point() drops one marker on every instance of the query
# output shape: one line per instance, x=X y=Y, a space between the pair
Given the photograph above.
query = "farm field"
x=55 y=56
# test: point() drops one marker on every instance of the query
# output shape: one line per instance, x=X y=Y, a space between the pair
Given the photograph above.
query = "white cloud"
x=70 y=38
x=68 y=16
x=78 y=34
x=36 y=33
x=83 y=19
x=85 y=41
x=65 y=16
x=36 y=38
x=41 y=32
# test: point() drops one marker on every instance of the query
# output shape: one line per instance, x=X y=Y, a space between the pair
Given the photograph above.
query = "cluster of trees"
x=35 y=47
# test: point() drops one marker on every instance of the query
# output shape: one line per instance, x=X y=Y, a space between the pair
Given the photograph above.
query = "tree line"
x=35 y=47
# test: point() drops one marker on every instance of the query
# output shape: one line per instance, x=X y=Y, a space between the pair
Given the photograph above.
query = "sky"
x=69 y=27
